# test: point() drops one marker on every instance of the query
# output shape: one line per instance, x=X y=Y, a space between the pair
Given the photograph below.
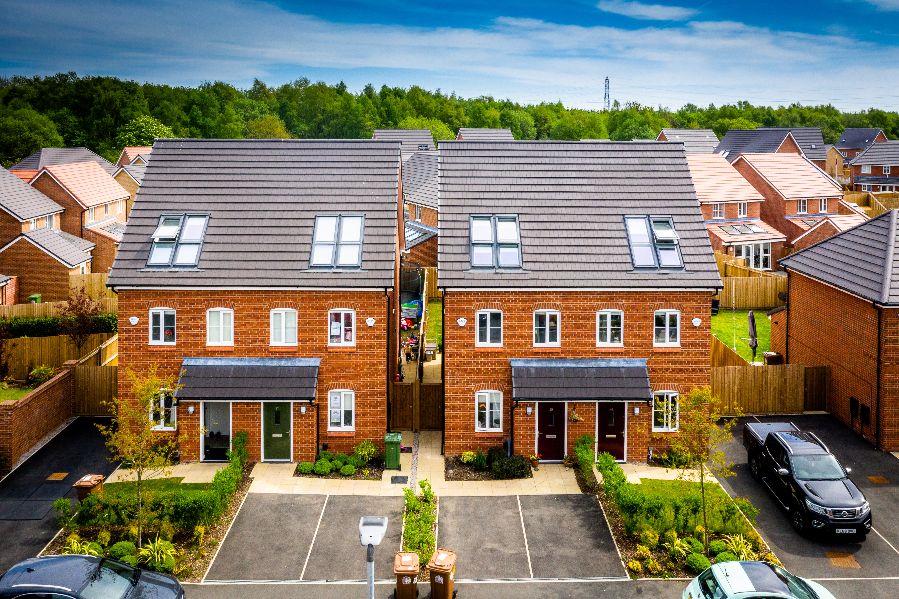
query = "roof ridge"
x=888 y=266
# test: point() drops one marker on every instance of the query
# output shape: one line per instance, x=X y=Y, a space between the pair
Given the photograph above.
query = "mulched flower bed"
x=374 y=473
x=455 y=470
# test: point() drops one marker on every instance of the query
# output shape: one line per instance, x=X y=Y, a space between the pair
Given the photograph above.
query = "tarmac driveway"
x=875 y=473
x=27 y=519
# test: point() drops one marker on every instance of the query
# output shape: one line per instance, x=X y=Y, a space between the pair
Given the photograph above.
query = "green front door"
x=276 y=431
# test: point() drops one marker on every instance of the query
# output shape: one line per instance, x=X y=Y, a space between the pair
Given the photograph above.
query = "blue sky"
x=657 y=52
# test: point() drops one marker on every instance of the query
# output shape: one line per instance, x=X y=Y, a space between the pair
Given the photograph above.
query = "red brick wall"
x=428 y=215
x=789 y=146
x=10 y=228
x=470 y=369
x=37 y=272
x=104 y=253
x=753 y=210
x=423 y=254
x=70 y=220
x=9 y=293
x=876 y=171
x=823 y=232
x=362 y=368
x=889 y=381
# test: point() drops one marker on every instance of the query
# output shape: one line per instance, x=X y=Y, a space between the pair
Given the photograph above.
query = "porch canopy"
x=589 y=379
x=248 y=379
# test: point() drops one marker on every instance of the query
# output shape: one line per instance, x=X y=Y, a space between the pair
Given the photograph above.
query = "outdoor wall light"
x=133 y=320
x=529 y=410
x=461 y=322
x=370 y=321
x=190 y=409
x=302 y=409
x=696 y=322
x=636 y=410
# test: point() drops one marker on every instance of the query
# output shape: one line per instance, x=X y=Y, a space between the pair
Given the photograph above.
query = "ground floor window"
x=341 y=410
x=489 y=410
x=757 y=255
x=665 y=411
x=163 y=411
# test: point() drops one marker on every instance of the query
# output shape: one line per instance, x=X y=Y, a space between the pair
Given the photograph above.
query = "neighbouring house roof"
x=51 y=156
x=854 y=138
x=66 y=248
x=135 y=171
x=768 y=139
x=696 y=141
x=417 y=233
x=886 y=154
x=25 y=176
x=715 y=180
x=413 y=140
x=580 y=379
x=130 y=153
x=110 y=228
x=866 y=180
x=4 y=280
x=89 y=184
x=484 y=134
x=570 y=199
x=744 y=231
x=21 y=200
x=282 y=185
x=261 y=379
x=840 y=223
x=862 y=261
x=420 y=179
x=793 y=176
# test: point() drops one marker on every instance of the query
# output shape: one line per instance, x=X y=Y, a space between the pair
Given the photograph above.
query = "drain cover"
x=399 y=480
x=842 y=560
x=58 y=476
x=879 y=480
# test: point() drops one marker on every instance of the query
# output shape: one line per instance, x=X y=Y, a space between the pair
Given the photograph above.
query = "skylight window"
x=177 y=240
x=337 y=241
x=653 y=242
x=495 y=242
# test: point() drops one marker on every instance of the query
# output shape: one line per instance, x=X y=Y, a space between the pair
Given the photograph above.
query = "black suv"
x=806 y=479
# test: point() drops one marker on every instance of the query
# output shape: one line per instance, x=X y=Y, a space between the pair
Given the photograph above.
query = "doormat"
x=399 y=480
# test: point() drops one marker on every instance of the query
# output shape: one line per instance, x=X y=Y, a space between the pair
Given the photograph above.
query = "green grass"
x=155 y=485
x=14 y=393
x=679 y=488
x=726 y=322
x=435 y=322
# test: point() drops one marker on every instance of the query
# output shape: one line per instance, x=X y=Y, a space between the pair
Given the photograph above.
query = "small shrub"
x=740 y=546
x=199 y=534
x=770 y=558
x=123 y=549
x=726 y=556
x=635 y=566
x=695 y=545
x=584 y=454
x=677 y=549
x=131 y=560
x=479 y=462
x=649 y=537
x=338 y=461
x=365 y=451
x=494 y=454
x=652 y=566
x=467 y=457
x=508 y=467
x=672 y=459
x=305 y=467
x=348 y=470
x=643 y=552
x=697 y=562
x=63 y=507
x=717 y=546
x=322 y=467
x=356 y=462
x=74 y=545
x=670 y=536
x=326 y=455
x=158 y=555
x=103 y=538
x=40 y=375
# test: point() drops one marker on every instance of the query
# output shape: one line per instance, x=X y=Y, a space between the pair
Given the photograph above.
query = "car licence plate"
x=845 y=531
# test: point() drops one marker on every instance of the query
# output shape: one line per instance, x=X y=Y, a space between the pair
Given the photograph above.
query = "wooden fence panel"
x=94 y=284
x=744 y=293
x=401 y=406
x=95 y=387
x=26 y=353
x=722 y=355
x=761 y=389
x=431 y=408
x=107 y=304
x=816 y=379
x=431 y=285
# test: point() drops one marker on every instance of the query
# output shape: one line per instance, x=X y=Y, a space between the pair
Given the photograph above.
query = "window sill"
x=489 y=432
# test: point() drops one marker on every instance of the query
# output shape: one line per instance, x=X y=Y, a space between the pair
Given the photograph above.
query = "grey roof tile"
x=413 y=140
x=23 y=201
x=886 y=153
x=571 y=199
x=136 y=171
x=854 y=138
x=262 y=197
x=256 y=379
x=420 y=179
x=585 y=378
x=51 y=156
x=768 y=139
x=696 y=141
x=63 y=246
x=484 y=134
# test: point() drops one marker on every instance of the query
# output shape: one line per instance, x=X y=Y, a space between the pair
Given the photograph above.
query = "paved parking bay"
x=878 y=556
x=522 y=537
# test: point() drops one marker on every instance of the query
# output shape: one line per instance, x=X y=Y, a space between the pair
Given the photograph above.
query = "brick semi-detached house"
x=805 y=141
x=577 y=281
x=264 y=274
x=843 y=312
x=27 y=168
x=877 y=168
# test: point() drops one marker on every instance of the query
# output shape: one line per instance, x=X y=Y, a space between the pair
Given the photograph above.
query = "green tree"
x=267 y=127
x=77 y=318
x=438 y=128
x=141 y=131
x=23 y=132
x=520 y=122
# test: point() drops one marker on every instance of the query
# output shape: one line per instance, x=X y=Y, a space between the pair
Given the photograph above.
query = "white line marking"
x=50 y=542
x=391 y=581
x=611 y=534
x=525 y=533
x=315 y=534
x=227 y=532
x=857 y=578
x=884 y=540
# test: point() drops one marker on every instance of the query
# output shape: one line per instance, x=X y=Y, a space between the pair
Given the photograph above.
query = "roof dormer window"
x=177 y=240
x=653 y=242
x=337 y=242
x=495 y=242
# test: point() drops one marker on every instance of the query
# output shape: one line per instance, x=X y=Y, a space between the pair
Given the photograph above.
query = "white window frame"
x=740 y=251
x=668 y=342
x=822 y=205
x=886 y=169
x=866 y=169
x=486 y=395
x=548 y=314
x=342 y=342
x=477 y=328
x=342 y=396
x=91 y=215
x=718 y=210
x=222 y=341
x=866 y=188
x=50 y=219
x=670 y=418
x=173 y=409
x=106 y=209
x=283 y=312
x=802 y=206
x=742 y=209
x=83 y=268
x=608 y=328
x=162 y=311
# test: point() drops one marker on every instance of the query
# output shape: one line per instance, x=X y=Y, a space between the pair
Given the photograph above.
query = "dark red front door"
x=551 y=430
x=611 y=429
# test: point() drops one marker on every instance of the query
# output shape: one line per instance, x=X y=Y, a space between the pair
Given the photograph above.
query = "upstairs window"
x=546 y=328
x=337 y=242
x=490 y=328
x=742 y=209
x=802 y=206
x=866 y=169
x=177 y=240
x=822 y=205
x=220 y=326
x=666 y=327
x=342 y=327
x=162 y=326
x=717 y=210
x=610 y=328
x=886 y=170
x=653 y=242
x=91 y=214
x=495 y=242
x=283 y=327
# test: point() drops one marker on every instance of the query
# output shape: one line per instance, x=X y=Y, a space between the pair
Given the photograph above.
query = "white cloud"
x=650 y=12
x=885 y=4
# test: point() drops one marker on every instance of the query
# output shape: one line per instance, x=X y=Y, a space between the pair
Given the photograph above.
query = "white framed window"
x=337 y=241
x=32 y=224
x=220 y=326
x=105 y=209
x=177 y=240
x=866 y=169
x=164 y=411
x=341 y=410
x=342 y=327
x=886 y=170
x=91 y=214
x=610 y=328
x=51 y=218
x=822 y=205
x=495 y=242
x=742 y=209
x=653 y=242
x=162 y=326
x=488 y=411
x=118 y=206
x=417 y=212
x=801 y=206
x=666 y=325
x=718 y=210
x=489 y=332
x=83 y=268
x=757 y=255
x=546 y=328
x=283 y=327
x=866 y=188
x=665 y=411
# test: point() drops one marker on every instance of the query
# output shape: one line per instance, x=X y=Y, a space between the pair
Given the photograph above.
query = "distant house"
x=94 y=205
x=807 y=141
x=797 y=193
x=421 y=245
x=842 y=311
x=138 y=155
x=854 y=140
x=835 y=165
x=28 y=168
x=827 y=228
x=484 y=134
x=23 y=208
x=130 y=177
x=696 y=141
x=877 y=168
x=43 y=259
x=731 y=209
x=420 y=188
x=411 y=140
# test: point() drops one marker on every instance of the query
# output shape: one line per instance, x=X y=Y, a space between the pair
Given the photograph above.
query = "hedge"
x=49 y=326
x=583 y=451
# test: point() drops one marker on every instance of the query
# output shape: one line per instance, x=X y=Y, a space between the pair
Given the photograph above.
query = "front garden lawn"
x=14 y=393
x=154 y=485
x=435 y=322
x=727 y=323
